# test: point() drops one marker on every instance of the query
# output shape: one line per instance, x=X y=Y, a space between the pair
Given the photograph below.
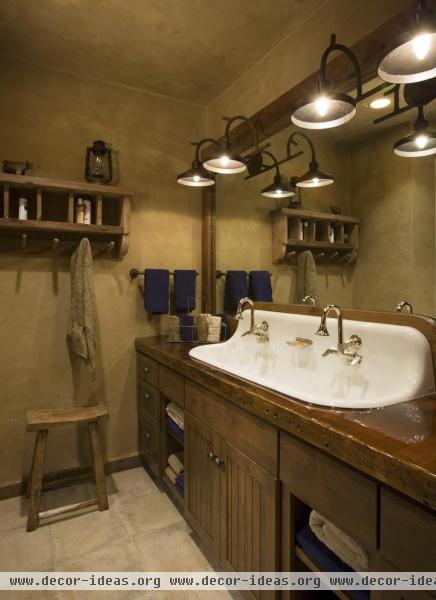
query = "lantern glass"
x=98 y=167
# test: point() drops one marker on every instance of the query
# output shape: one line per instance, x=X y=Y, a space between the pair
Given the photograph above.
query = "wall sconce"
x=314 y=177
x=277 y=189
x=197 y=175
x=326 y=109
x=224 y=160
x=420 y=143
x=415 y=58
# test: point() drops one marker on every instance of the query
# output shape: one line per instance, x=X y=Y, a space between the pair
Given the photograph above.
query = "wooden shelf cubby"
x=295 y=230
x=51 y=206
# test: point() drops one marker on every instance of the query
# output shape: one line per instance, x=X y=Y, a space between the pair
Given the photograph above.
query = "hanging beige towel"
x=348 y=550
x=82 y=327
x=307 y=276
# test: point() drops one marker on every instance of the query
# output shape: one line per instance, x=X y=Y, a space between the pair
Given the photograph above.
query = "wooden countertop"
x=395 y=445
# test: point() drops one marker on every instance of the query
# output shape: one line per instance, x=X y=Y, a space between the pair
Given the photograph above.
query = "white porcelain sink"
x=396 y=365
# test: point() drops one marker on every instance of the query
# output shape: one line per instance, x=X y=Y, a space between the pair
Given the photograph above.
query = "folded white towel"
x=170 y=474
x=175 y=461
x=213 y=328
x=347 y=549
x=176 y=414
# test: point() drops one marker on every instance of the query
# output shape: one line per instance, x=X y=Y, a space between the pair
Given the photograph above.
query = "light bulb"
x=322 y=105
x=421 y=141
x=315 y=180
x=196 y=178
x=224 y=160
x=421 y=45
x=379 y=103
x=278 y=192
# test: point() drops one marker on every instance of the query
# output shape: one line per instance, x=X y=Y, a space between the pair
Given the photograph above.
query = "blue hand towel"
x=260 y=288
x=325 y=559
x=180 y=483
x=157 y=291
x=184 y=290
x=187 y=328
x=179 y=433
x=236 y=288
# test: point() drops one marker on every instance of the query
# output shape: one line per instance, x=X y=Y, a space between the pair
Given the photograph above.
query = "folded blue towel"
x=180 y=483
x=260 y=288
x=184 y=290
x=175 y=428
x=157 y=291
x=325 y=559
x=187 y=329
x=236 y=289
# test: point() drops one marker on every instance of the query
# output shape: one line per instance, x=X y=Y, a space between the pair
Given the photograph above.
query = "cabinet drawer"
x=252 y=436
x=337 y=491
x=147 y=368
x=407 y=533
x=172 y=385
x=149 y=443
x=149 y=401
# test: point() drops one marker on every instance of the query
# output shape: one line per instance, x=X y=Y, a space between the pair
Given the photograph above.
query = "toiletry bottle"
x=22 y=208
x=332 y=234
x=80 y=211
x=87 y=212
x=305 y=230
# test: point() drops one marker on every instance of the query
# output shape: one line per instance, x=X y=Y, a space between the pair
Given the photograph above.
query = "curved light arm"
x=341 y=48
x=231 y=120
x=198 y=146
x=275 y=161
x=308 y=140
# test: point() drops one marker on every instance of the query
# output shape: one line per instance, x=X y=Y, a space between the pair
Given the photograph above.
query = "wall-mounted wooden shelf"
x=295 y=230
x=51 y=206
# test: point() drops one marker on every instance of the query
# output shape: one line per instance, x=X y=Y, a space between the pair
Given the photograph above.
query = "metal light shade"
x=414 y=59
x=314 y=177
x=416 y=145
x=196 y=177
x=325 y=111
x=225 y=162
x=277 y=189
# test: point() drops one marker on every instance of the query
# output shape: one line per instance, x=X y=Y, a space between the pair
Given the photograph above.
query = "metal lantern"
x=98 y=167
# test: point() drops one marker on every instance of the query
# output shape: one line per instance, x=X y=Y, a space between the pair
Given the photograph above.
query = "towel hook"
x=23 y=242
x=55 y=243
x=110 y=246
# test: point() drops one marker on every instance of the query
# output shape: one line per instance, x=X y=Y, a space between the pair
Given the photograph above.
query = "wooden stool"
x=43 y=420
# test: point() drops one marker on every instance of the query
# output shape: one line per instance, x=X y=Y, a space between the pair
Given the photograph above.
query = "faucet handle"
x=354 y=341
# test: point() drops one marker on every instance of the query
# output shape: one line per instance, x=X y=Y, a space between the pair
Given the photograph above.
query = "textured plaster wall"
x=49 y=118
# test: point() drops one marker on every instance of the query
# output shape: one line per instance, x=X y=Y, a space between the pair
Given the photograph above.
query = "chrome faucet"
x=310 y=300
x=347 y=349
x=404 y=304
x=259 y=331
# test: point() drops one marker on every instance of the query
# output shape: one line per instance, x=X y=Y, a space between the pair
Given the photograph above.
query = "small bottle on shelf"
x=305 y=230
x=87 y=211
x=332 y=234
x=22 y=208
x=80 y=211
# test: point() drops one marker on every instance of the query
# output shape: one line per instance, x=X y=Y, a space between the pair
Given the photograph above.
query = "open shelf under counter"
x=334 y=236
x=52 y=206
x=308 y=562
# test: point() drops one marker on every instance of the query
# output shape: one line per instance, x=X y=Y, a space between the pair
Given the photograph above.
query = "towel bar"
x=135 y=273
x=220 y=274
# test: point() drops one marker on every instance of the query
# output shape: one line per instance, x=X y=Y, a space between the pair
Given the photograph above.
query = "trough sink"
x=396 y=365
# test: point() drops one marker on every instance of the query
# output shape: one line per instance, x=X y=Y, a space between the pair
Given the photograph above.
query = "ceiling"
x=191 y=50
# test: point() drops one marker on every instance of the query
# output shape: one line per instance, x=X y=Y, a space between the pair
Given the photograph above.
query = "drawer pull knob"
x=210 y=455
x=147 y=435
x=218 y=461
x=146 y=369
x=146 y=396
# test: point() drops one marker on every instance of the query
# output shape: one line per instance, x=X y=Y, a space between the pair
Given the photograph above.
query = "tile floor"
x=142 y=531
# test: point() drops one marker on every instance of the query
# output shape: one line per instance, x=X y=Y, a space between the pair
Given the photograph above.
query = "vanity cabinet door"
x=248 y=515
x=202 y=481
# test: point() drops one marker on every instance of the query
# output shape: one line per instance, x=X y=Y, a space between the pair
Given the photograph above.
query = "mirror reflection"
x=371 y=232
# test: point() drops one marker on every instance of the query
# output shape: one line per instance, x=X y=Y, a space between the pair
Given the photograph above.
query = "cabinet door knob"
x=210 y=455
x=146 y=396
x=146 y=369
x=147 y=435
x=218 y=461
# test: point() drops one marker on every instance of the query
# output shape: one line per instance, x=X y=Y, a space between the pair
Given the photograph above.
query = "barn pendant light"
x=420 y=143
x=415 y=58
x=225 y=160
x=277 y=189
x=197 y=175
x=314 y=177
x=327 y=109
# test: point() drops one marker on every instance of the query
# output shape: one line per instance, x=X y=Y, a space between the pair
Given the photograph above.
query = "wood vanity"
x=256 y=462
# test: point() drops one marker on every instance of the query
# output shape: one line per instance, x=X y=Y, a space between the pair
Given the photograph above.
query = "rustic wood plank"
x=48 y=418
x=99 y=209
x=36 y=480
x=38 y=204
x=208 y=250
x=63 y=185
x=59 y=227
x=98 y=465
x=62 y=510
x=6 y=201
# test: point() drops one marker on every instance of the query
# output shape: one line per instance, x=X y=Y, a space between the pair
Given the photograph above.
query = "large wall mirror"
x=392 y=196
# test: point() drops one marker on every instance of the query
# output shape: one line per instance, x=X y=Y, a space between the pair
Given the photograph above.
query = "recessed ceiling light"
x=379 y=103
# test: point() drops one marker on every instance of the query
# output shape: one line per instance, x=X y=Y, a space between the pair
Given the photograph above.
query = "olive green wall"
x=49 y=117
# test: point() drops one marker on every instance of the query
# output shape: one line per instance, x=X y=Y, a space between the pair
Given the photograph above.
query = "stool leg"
x=97 y=459
x=36 y=480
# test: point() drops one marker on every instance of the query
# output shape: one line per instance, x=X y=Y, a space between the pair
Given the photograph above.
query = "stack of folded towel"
x=213 y=328
x=175 y=470
x=175 y=420
x=199 y=328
